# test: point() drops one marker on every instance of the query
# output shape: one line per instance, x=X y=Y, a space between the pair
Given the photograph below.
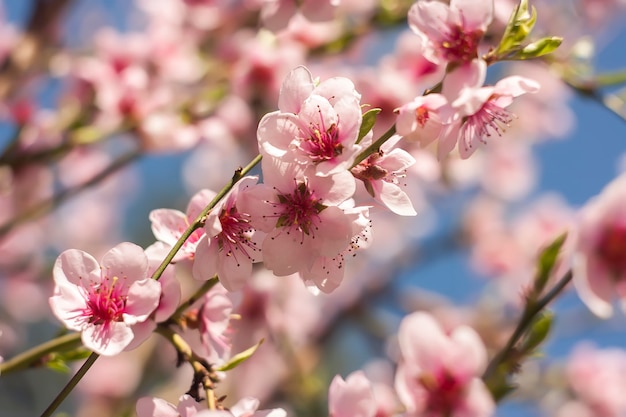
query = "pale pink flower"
x=299 y=211
x=420 y=120
x=317 y=124
x=598 y=378
x=599 y=261
x=188 y=407
x=381 y=174
x=276 y=14
x=230 y=244
x=455 y=30
x=168 y=225
x=352 y=397
x=104 y=302
x=478 y=111
x=439 y=375
x=210 y=338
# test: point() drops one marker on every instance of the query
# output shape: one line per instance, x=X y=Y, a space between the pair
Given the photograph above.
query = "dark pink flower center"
x=299 y=210
x=422 y=115
x=444 y=392
x=106 y=303
x=458 y=45
x=490 y=119
x=611 y=248
x=236 y=231
x=322 y=144
x=319 y=142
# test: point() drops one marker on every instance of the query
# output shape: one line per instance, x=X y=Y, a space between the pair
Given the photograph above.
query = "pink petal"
x=168 y=225
x=593 y=285
x=431 y=18
x=198 y=203
x=68 y=305
x=108 y=341
x=285 y=254
x=276 y=131
x=76 y=267
x=297 y=86
x=395 y=199
x=234 y=271
x=334 y=233
x=126 y=261
x=337 y=88
x=326 y=273
x=205 y=261
x=351 y=398
x=155 y=407
x=422 y=342
x=142 y=299
x=476 y=14
x=472 y=357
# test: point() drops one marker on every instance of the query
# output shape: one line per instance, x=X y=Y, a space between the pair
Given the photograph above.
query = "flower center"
x=300 y=210
x=322 y=144
x=444 y=392
x=611 y=248
x=106 y=302
x=236 y=232
x=460 y=46
x=491 y=118
x=422 y=115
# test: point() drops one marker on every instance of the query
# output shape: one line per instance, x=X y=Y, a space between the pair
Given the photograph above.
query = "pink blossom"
x=210 y=337
x=230 y=245
x=168 y=225
x=188 y=407
x=440 y=373
x=599 y=261
x=455 y=30
x=420 y=120
x=276 y=14
x=598 y=378
x=478 y=112
x=381 y=174
x=352 y=397
x=104 y=302
x=299 y=211
x=317 y=124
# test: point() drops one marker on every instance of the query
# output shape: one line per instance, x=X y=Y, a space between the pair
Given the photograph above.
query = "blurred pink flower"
x=188 y=407
x=104 y=302
x=599 y=260
x=454 y=30
x=598 y=378
x=276 y=14
x=352 y=397
x=439 y=375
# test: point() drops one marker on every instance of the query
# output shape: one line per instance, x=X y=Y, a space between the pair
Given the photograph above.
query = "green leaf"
x=240 y=357
x=538 y=332
x=369 y=118
x=59 y=361
x=538 y=48
x=545 y=263
x=521 y=23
